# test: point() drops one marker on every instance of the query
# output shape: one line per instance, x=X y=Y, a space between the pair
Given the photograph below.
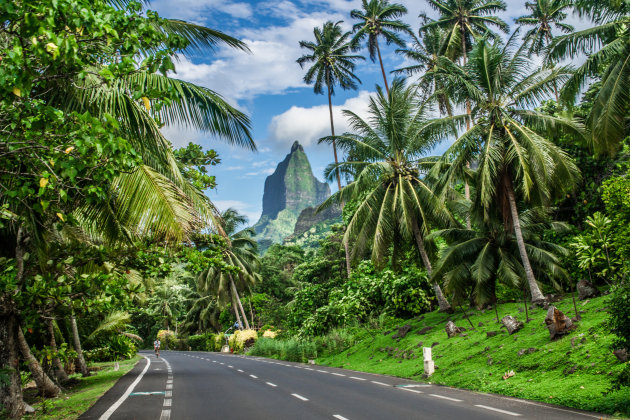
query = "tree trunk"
x=537 y=296
x=238 y=317
x=380 y=60
x=240 y=305
x=442 y=302
x=334 y=144
x=77 y=346
x=60 y=372
x=468 y=121
x=11 y=404
x=45 y=385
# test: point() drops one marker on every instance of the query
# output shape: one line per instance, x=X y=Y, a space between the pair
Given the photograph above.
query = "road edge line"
x=114 y=407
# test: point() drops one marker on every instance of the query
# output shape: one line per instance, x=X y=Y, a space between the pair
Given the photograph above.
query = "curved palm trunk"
x=77 y=347
x=468 y=113
x=380 y=60
x=60 y=372
x=238 y=317
x=332 y=130
x=238 y=300
x=442 y=302
x=537 y=296
x=45 y=385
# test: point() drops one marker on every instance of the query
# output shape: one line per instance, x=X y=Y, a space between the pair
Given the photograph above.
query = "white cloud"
x=307 y=125
x=199 y=11
x=252 y=212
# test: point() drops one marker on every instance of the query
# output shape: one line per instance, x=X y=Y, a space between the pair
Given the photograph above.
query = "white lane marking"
x=124 y=396
x=270 y=384
x=254 y=376
x=231 y=367
x=308 y=369
x=214 y=361
x=340 y=417
x=298 y=396
x=167 y=402
x=357 y=378
x=445 y=398
x=222 y=363
x=166 y=414
x=168 y=386
x=379 y=383
x=498 y=410
x=337 y=374
x=168 y=394
x=412 y=390
x=170 y=381
x=322 y=371
x=240 y=370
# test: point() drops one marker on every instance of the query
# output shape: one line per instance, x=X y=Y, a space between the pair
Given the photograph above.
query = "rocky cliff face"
x=288 y=191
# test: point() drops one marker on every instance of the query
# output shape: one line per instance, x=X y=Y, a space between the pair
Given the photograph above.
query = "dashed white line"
x=340 y=417
x=322 y=371
x=337 y=374
x=308 y=369
x=254 y=376
x=498 y=410
x=445 y=398
x=168 y=394
x=298 y=396
x=270 y=384
x=169 y=386
x=357 y=378
x=379 y=383
x=231 y=367
x=412 y=390
x=222 y=363
x=167 y=402
x=166 y=414
x=239 y=370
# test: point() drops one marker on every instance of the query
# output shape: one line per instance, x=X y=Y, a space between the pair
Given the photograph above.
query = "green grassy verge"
x=577 y=370
x=82 y=394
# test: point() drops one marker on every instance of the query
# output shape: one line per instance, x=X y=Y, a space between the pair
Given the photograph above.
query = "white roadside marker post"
x=429 y=365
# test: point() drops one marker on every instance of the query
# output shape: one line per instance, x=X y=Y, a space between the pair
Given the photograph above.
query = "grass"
x=577 y=370
x=81 y=395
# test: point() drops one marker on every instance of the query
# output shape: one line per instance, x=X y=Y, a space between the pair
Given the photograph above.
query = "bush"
x=199 y=342
x=101 y=354
x=619 y=319
x=121 y=347
x=291 y=349
x=243 y=339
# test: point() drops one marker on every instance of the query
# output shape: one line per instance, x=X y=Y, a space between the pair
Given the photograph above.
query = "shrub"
x=619 y=311
x=270 y=334
x=199 y=342
x=101 y=354
x=168 y=339
x=121 y=347
x=291 y=349
x=243 y=339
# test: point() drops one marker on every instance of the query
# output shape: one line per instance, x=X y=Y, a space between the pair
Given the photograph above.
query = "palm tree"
x=476 y=260
x=394 y=202
x=428 y=52
x=544 y=15
x=333 y=65
x=515 y=160
x=379 y=18
x=607 y=46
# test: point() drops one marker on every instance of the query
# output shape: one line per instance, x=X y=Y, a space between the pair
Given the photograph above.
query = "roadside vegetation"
x=107 y=239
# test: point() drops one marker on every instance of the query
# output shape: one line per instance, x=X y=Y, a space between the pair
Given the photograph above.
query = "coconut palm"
x=516 y=162
x=393 y=201
x=379 y=18
x=607 y=46
x=477 y=260
x=427 y=52
x=544 y=16
x=333 y=65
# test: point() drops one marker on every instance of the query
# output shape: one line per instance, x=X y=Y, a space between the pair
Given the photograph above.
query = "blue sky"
x=268 y=86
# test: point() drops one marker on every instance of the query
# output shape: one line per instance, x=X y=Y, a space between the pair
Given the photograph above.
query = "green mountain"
x=288 y=191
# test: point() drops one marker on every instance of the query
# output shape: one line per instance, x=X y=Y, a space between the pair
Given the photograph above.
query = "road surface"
x=200 y=385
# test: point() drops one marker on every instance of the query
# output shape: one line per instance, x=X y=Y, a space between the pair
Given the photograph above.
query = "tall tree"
x=393 y=200
x=379 y=18
x=607 y=46
x=544 y=16
x=332 y=65
x=516 y=162
x=466 y=20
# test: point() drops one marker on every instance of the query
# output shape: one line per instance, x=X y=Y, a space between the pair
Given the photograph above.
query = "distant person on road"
x=156 y=347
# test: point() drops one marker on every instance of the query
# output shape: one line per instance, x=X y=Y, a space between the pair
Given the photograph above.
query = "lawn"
x=577 y=370
x=81 y=395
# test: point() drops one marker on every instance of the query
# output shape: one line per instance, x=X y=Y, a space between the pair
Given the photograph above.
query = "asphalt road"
x=199 y=385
